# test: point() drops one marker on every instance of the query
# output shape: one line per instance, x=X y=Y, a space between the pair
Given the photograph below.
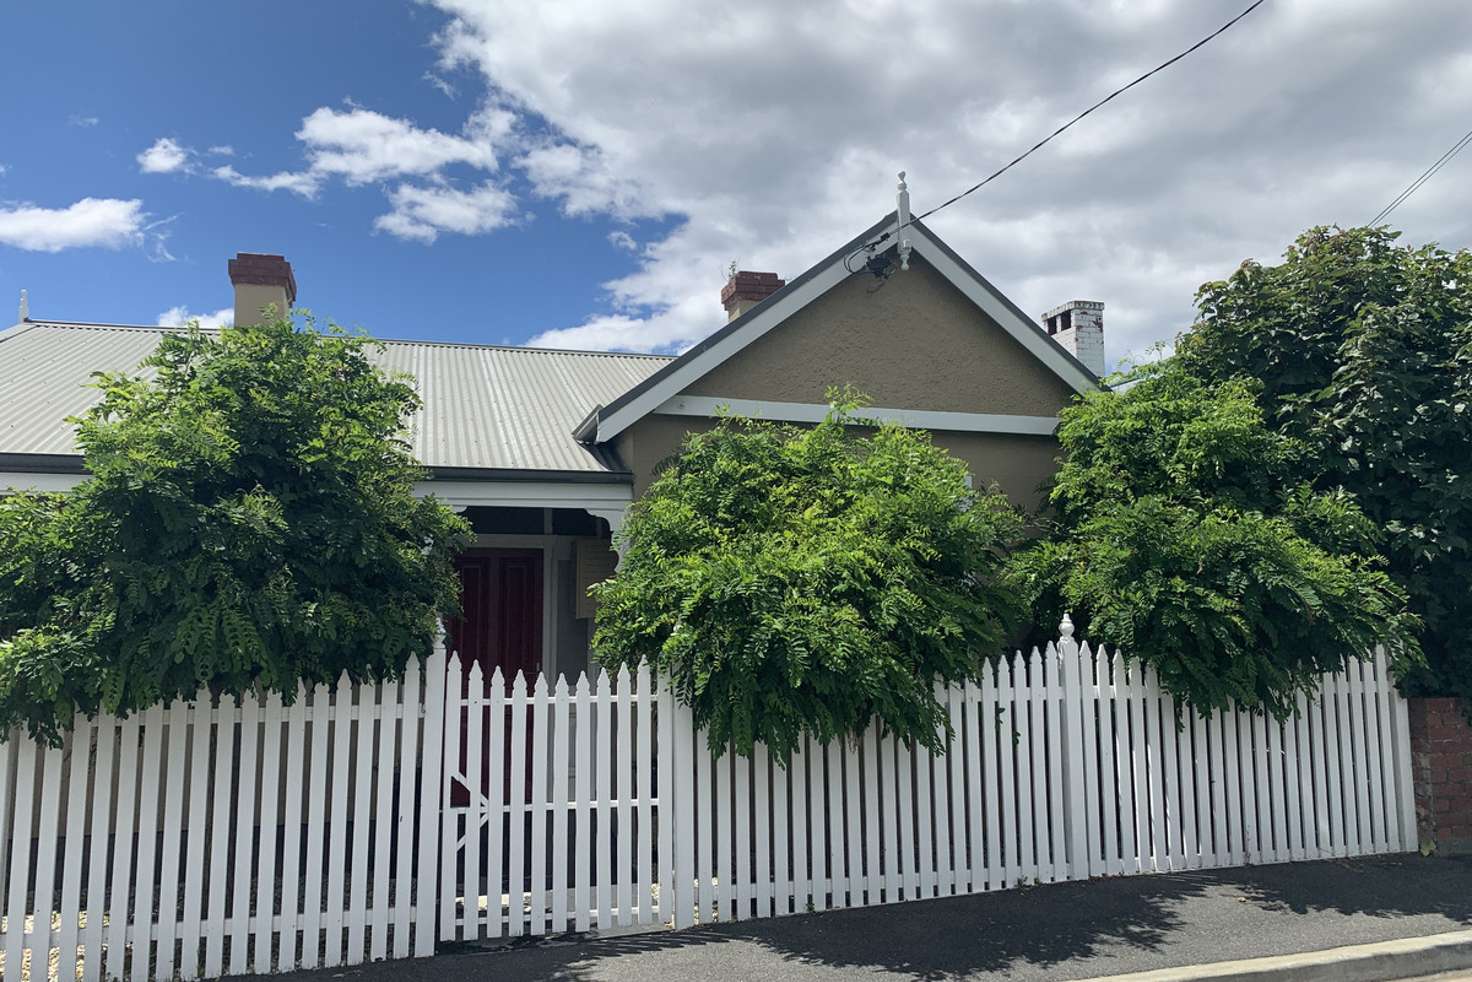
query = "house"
x=543 y=450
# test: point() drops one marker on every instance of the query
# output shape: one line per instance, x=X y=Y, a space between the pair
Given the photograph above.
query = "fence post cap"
x=1065 y=627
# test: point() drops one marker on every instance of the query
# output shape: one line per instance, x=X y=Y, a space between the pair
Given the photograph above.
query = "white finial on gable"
x=902 y=202
x=25 y=307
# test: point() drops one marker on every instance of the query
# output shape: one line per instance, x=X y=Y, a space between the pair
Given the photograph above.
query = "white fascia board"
x=528 y=494
x=463 y=494
x=1025 y=333
x=812 y=412
x=12 y=481
x=803 y=294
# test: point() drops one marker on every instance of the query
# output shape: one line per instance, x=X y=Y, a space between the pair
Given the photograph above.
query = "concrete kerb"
x=1402 y=958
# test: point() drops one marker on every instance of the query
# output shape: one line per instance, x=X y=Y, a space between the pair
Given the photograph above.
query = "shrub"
x=797 y=581
x=250 y=523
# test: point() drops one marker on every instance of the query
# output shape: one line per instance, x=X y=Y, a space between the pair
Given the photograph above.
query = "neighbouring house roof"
x=606 y=421
x=487 y=409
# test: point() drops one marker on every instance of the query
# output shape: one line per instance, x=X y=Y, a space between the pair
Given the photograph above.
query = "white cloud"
x=165 y=156
x=4 y=169
x=446 y=89
x=302 y=183
x=222 y=150
x=421 y=213
x=86 y=122
x=361 y=146
x=108 y=222
x=773 y=133
x=180 y=315
x=620 y=239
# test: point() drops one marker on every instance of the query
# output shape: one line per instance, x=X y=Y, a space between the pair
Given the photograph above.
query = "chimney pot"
x=261 y=280
x=745 y=289
x=1078 y=328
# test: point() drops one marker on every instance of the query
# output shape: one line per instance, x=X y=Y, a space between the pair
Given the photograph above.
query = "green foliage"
x=1181 y=535
x=1363 y=351
x=809 y=580
x=249 y=524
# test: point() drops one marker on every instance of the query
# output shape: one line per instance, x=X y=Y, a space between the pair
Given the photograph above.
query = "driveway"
x=1061 y=931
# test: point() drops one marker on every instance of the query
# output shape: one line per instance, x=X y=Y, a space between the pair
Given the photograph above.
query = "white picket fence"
x=210 y=838
x=1063 y=764
x=213 y=837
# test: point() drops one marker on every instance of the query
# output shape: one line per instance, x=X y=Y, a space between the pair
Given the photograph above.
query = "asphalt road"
x=1060 y=931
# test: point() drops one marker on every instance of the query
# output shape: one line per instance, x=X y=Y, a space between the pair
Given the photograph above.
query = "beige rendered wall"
x=910 y=342
x=1017 y=464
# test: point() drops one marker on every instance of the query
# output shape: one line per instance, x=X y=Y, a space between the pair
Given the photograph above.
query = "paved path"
x=1062 y=931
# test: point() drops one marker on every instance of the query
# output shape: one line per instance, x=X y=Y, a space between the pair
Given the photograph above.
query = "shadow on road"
x=1067 y=930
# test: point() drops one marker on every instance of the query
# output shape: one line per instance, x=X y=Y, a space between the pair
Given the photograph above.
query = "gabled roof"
x=488 y=411
x=607 y=421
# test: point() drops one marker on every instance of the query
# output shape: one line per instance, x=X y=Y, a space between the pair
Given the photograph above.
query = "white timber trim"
x=594 y=498
x=12 y=481
x=821 y=280
x=813 y=412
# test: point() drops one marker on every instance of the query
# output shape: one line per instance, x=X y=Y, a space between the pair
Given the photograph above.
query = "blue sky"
x=106 y=85
x=580 y=174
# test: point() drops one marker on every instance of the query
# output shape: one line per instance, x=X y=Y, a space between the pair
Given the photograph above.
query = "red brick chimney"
x=745 y=289
x=261 y=280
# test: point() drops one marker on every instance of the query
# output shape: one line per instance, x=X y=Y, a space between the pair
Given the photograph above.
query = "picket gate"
x=456 y=807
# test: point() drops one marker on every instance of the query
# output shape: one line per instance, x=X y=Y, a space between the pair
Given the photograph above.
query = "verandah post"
x=1075 y=741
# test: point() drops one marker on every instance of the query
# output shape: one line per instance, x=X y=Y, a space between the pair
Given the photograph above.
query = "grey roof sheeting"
x=486 y=408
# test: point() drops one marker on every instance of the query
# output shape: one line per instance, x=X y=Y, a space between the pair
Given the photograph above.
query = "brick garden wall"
x=1441 y=760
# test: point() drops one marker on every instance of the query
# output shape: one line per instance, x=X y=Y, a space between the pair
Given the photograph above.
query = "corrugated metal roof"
x=484 y=406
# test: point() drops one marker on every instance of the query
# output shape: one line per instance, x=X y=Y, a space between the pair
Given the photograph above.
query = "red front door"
x=500 y=626
x=501 y=623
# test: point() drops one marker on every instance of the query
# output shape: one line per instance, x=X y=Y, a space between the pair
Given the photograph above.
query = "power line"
x=1041 y=143
x=1426 y=175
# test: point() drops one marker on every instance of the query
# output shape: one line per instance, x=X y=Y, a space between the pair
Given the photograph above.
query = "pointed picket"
x=1333 y=750
x=435 y=686
x=175 y=765
x=1053 y=736
x=852 y=834
x=337 y=838
x=1010 y=734
x=129 y=736
x=801 y=871
x=1159 y=848
x=707 y=904
x=283 y=749
x=454 y=743
x=355 y=915
x=976 y=820
x=148 y=819
x=873 y=878
x=483 y=781
x=561 y=843
x=623 y=755
x=224 y=808
x=644 y=771
x=70 y=867
x=603 y=753
x=97 y=865
x=541 y=719
x=248 y=798
x=761 y=799
x=1294 y=804
x=387 y=710
x=1385 y=696
x=955 y=839
x=1115 y=807
x=490 y=816
x=583 y=795
x=741 y=801
x=781 y=838
x=516 y=827
x=987 y=724
x=435 y=759
x=20 y=851
x=1170 y=735
x=1278 y=797
x=820 y=882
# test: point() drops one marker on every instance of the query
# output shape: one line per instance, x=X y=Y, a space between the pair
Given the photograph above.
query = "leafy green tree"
x=809 y=580
x=1363 y=351
x=250 y=523
x=1181 y=534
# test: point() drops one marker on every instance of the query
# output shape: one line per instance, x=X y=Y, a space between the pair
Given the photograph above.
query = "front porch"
x=524 y=585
